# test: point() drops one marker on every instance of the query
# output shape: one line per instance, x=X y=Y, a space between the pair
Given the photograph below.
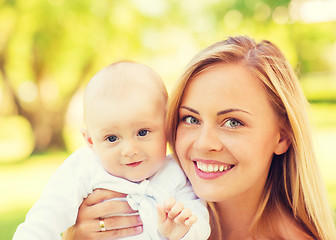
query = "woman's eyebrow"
x=220 y=112
x=232 y=110
x=190 y=109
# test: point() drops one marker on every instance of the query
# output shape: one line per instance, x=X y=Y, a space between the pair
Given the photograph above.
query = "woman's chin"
x=209 y=194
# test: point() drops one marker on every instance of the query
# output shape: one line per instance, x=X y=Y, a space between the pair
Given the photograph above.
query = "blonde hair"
x=294 y=182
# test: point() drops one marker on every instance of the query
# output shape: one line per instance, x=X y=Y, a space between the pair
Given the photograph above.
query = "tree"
x=49 y=49
x=34 y=48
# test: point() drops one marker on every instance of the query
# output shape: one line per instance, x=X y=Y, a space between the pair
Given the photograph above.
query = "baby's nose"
x=129 y=148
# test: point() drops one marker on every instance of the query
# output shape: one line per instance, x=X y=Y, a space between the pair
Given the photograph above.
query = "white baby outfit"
x=82 y=172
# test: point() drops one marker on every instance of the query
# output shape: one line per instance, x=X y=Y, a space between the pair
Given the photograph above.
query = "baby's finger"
x=183 y=216
x=162 y=216
x=175 y=210
x=191 y=220
x=169 y=203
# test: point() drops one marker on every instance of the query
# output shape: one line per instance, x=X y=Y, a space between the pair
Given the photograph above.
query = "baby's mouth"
x=134 y=164
x=213 y=167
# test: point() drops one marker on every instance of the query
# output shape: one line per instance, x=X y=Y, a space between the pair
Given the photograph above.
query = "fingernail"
x=138 y=229
x=139 y=219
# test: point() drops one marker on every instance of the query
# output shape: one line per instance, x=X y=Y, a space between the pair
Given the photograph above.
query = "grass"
x=9 y=220
x=21 y=183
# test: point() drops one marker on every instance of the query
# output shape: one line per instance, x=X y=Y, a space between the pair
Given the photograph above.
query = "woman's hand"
x=94 y=208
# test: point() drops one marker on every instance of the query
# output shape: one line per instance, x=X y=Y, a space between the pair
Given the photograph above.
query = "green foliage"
x=320 y=88
x=323 y=116
x=49 y=49
x=16 y=139
x=21 y=184
x=9 y=220
x=314 y=44
x=331 y=188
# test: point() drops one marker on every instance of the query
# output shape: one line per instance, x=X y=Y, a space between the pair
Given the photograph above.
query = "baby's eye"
x=112 y=138
x=191 y=120
x=232 y=123
x=143 y=132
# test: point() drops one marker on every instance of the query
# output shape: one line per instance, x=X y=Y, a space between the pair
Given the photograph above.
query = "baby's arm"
x=174 y=220
x=57 y=207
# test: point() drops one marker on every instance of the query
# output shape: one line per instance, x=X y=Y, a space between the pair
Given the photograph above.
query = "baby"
x=124 y=110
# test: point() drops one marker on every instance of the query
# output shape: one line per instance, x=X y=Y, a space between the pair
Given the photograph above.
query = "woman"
x=239 y=78
x=238 y=125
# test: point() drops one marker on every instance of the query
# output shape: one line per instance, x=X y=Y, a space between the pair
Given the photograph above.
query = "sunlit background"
x=49 y=49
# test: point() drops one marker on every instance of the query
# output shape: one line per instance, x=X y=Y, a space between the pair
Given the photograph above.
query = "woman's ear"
x=87 y=137
x=283 y=143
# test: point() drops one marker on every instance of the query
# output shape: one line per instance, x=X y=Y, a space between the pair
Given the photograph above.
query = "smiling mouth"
x=212 y=167
x=134 y=164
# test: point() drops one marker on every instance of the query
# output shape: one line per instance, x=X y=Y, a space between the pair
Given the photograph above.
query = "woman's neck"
x=236 y=217
x=236 y=214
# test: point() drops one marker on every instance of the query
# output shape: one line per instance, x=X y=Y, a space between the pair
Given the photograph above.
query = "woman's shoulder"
x=292 y=229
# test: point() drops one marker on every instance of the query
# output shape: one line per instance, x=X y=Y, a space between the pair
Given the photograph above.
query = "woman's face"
x=227 y=134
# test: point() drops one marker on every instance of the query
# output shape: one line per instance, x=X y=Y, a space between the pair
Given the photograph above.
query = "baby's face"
x=128 y=134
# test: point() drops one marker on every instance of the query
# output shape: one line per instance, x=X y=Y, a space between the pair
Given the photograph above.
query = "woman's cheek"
x=184 y=149
x=180 y=143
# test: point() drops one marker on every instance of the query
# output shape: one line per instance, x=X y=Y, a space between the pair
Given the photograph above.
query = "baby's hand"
x=174 y=220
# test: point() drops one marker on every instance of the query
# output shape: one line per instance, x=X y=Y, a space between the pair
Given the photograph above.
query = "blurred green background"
x=49 y=49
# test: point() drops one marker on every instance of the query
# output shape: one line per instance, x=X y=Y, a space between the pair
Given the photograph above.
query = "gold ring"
x=102 y=225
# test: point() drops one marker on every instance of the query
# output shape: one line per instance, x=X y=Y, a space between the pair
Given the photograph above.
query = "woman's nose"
x=208 y=140
x=129 y=148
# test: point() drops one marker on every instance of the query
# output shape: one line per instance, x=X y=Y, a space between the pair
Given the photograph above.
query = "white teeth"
x=211 y=167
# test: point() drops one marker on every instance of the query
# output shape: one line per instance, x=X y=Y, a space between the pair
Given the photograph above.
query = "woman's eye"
x=112 y=138
x=232 y=123
x=191 y=120
x=143 y=132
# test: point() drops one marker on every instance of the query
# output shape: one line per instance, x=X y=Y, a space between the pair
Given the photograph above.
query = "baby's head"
x=124 y=110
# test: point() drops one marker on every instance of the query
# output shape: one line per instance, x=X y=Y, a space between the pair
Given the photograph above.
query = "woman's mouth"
x=210 y=169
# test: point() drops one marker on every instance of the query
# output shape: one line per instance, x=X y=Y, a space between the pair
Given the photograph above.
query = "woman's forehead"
x=226 y=85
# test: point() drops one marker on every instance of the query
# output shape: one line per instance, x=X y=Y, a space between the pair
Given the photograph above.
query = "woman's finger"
x=119 y=233
x=120 y=222
x=107 y=208
x=115 y=228
x=111 y=223
x=103 y=215
x=100 y=195
x=83 y=234
x=97 y=205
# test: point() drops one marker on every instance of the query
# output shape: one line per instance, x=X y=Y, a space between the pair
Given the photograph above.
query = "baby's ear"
x=87 y=137
x=283 y=143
